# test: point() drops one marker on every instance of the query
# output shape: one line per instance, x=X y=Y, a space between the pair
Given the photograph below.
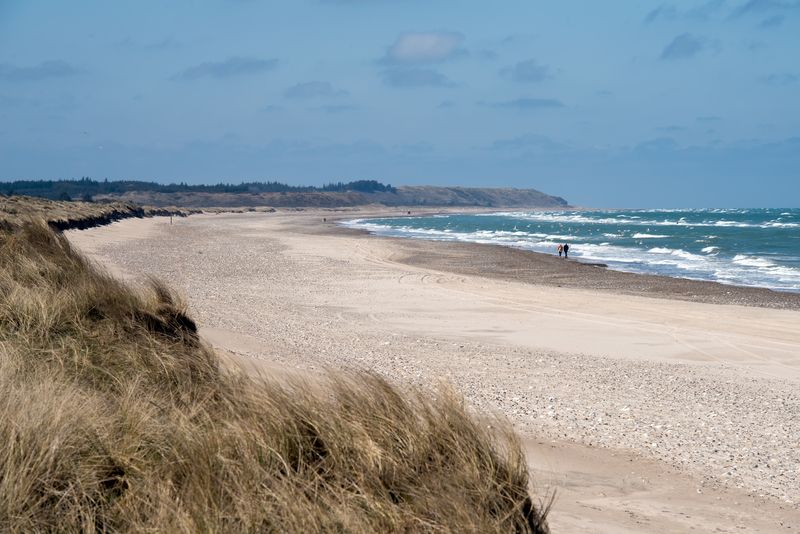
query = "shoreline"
x=510 y=263
x=696 y=397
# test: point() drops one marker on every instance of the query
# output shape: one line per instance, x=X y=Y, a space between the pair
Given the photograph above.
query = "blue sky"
x=624 y=103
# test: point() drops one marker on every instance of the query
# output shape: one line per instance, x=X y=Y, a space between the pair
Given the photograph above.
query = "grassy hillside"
x=425 y=195
x=116 y=416
x=401 y=196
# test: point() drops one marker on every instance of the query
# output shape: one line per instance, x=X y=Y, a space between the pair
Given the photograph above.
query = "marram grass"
x=115 y=416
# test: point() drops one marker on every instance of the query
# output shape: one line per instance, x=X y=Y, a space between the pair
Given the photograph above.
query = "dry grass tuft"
x=115 y=416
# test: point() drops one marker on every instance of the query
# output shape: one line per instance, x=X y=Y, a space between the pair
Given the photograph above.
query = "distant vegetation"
x=116 y=417
x=87 y=188
x=276 y=194
x=362 y=186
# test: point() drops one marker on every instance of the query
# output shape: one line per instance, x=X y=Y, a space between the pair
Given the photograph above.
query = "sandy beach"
x=647 y=403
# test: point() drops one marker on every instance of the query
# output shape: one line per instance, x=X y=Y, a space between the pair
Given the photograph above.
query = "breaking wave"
x=747 y=247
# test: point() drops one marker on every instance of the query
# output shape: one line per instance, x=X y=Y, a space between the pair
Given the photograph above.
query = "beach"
x=647 y=403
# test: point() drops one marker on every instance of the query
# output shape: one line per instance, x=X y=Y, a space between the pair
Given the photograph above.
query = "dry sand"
x=644 y=414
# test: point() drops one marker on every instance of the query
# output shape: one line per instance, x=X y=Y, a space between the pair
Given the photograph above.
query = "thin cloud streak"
x=781 y=78
x=529 y=71
x=406 y=78
x=315 y=89
x=762 y=7
x=232 y=67
x=43 y=71
x=683 y=46
x=336 y=108
x=525 y=104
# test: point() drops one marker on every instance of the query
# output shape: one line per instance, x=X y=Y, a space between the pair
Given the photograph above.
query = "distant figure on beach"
x=324 y=219
x=560 y=249
x=566 y=250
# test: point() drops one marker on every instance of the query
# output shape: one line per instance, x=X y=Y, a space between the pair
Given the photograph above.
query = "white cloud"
x=424 y=47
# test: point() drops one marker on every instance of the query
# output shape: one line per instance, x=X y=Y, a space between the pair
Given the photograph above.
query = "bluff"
x=400 y=196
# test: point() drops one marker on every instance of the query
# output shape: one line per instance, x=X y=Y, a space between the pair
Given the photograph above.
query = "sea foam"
x=748 y=247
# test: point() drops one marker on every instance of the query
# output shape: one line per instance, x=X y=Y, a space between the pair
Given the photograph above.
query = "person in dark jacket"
x=566 y=250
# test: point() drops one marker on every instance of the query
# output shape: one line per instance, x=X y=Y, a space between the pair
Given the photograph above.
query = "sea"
x=743 y=247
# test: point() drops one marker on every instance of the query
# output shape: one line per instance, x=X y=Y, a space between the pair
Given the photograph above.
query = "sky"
x=627 y=103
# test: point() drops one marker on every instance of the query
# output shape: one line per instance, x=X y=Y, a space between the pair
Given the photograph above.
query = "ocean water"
x=746 y=247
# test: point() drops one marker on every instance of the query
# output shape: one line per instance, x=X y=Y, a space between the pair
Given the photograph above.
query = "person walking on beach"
x=560 y=249
x=566 y=249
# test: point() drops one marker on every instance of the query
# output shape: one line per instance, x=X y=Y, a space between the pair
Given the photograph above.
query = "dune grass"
x=115 y=416
x=63 y=214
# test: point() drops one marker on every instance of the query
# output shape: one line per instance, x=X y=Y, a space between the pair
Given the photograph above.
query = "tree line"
x=86 y=188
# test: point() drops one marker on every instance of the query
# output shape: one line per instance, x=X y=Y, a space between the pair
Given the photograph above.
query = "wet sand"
x=645 y=414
